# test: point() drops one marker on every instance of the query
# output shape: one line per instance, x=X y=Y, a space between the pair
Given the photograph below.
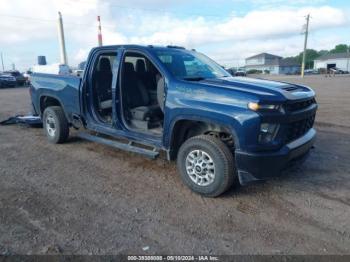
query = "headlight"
x=256 y=106
x=268 y=132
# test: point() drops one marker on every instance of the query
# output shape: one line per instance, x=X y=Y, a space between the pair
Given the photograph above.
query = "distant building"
x=328 y=61
x=272 y=64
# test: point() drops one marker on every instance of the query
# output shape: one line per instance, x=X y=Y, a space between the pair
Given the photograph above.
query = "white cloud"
x=81 y=54
x=75 y=8
x=262 y=25
x=287 y=2
x=275 y=30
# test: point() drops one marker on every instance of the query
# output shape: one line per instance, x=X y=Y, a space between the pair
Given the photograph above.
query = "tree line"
x=312 y=54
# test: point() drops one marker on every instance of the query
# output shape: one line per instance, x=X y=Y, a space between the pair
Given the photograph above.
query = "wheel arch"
x=50 y=100
x=185 y=128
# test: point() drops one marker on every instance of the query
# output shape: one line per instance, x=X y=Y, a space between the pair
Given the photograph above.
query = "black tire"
x=221 y=156
x=54 y=118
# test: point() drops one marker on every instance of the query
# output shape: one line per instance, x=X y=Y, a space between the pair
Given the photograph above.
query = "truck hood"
x=261 y=87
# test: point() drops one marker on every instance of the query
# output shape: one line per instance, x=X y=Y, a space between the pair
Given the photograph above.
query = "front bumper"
x=263 y=165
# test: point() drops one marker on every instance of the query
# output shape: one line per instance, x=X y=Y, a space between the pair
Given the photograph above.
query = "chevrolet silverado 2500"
x=146 y=99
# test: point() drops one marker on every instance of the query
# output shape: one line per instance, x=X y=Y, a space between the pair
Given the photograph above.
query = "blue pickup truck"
x=146 y=99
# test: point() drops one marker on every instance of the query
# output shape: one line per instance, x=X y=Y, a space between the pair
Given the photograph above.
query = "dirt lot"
x=84 y=198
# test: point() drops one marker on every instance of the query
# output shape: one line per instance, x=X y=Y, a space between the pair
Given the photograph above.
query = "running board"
x=124 y=146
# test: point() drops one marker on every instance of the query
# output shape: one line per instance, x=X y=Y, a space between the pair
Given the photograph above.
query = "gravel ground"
x=85 y=198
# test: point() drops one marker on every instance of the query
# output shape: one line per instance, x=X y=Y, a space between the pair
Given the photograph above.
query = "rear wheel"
x=206 y=165
x=55 y=125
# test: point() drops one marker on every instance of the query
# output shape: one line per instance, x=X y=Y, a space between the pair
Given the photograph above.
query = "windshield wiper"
x=194 y=78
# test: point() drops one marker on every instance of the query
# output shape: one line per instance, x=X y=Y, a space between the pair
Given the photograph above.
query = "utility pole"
x=99 y=35
x=348 y=57
x=305 y=44
x=2 y=62
x=61 y=40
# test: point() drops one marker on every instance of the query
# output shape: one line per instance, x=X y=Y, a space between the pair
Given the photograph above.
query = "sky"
x=226 y=30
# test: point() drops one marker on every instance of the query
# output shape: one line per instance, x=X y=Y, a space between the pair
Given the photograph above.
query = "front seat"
x=137 y=97
x=104 y=84
x=144 y=76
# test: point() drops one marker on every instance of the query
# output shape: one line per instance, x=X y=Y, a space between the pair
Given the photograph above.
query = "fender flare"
x=56 y=98
x=170 y=138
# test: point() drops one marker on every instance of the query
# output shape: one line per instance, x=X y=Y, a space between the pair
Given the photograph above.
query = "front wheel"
x=206 y=165
x=55 y=125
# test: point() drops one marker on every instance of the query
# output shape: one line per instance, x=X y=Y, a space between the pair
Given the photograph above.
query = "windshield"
x=190 y=65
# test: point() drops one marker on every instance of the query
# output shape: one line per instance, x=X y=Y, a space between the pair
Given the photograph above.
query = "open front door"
x=142 y=88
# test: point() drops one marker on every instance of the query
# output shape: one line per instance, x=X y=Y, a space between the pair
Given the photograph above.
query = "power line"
x=43 y=20
x=113 y=5
x=28 y=18
x=47 y=20
x=122 y=7
x=157 y=10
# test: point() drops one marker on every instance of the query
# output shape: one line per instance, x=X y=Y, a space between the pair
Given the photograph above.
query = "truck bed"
x=64 y=88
